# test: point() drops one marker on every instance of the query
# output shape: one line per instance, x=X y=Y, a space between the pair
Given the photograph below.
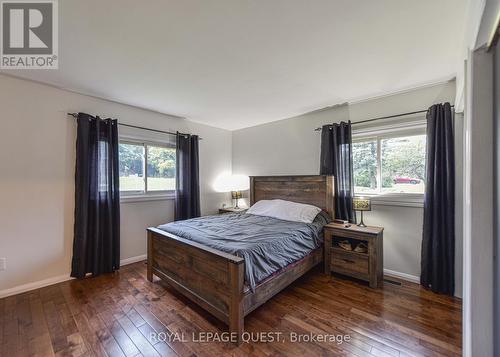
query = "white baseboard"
x=412 y=279
x=61 y=278
x=133 y=260
x=403 y=276
x=57 y=279
x=35 y=285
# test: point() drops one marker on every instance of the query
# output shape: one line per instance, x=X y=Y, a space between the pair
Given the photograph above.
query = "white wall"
x=37 y=162
x=496 y=218
x=291 y=146
x=489 y=22
x=38 y=157
x=478 y=306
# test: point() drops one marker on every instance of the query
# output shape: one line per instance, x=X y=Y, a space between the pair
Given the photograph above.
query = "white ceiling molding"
x=7 y=74
x=234 y=64
x=472 y=21
x=489 y=23
x=409 y=89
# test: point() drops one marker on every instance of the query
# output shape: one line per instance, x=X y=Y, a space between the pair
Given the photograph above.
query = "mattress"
x=267 y=244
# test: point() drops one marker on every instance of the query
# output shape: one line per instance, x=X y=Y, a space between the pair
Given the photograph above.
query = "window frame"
x=146 y=195
x=414 y=128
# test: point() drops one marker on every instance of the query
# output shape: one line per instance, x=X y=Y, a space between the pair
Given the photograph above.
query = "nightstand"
x=367 y=266
x=231 y=210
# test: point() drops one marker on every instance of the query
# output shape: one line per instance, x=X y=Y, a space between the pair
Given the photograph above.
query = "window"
x=161 y=168
x=131 y=167
x=389 y=165
x=146 y=168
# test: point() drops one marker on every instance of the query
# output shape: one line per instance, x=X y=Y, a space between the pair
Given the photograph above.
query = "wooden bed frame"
x=214 y=279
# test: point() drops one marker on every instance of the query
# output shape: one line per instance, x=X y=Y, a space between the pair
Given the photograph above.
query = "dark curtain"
x=187 y=193
x=96 y=246
x=438 y=239
x=336 y=160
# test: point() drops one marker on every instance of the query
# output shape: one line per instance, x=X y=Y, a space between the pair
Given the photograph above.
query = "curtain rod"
x=386 y=117
x=75 y=115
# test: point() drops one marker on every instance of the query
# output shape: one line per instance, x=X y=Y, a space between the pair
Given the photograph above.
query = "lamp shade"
x=239 y=183
x=228 y=183
x=361 y=204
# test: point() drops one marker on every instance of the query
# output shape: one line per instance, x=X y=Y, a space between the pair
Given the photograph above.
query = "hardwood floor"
x=117 y=314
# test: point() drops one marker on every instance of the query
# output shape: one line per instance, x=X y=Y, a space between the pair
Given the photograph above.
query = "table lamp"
x=236 y=195
x=361 y=204
x=234 y=184
x=238 y=183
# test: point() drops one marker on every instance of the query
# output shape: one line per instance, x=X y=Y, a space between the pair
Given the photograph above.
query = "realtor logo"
x=29 y=35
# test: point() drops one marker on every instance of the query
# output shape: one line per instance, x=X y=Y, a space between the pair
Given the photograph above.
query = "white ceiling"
x=236 y=63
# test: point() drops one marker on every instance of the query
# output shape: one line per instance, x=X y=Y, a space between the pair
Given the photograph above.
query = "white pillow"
x=285 y=210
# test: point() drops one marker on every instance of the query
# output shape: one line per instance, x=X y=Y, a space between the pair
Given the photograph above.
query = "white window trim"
x=395 y=199
x=414 y=127
x=170 y=195
x=144 y=196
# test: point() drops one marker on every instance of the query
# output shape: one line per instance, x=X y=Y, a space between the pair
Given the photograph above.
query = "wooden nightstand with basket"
x=355 y=251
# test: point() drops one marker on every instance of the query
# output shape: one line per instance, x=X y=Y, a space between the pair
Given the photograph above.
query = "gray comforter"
x=267 y=244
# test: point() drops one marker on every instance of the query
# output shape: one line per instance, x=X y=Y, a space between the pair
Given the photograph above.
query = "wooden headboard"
x=315 y=190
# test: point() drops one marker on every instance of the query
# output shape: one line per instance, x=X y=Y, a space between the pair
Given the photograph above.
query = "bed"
x=217 y=280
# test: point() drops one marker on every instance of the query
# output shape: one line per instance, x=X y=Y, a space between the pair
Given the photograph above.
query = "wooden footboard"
x=211 y=278
x=214 y=279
